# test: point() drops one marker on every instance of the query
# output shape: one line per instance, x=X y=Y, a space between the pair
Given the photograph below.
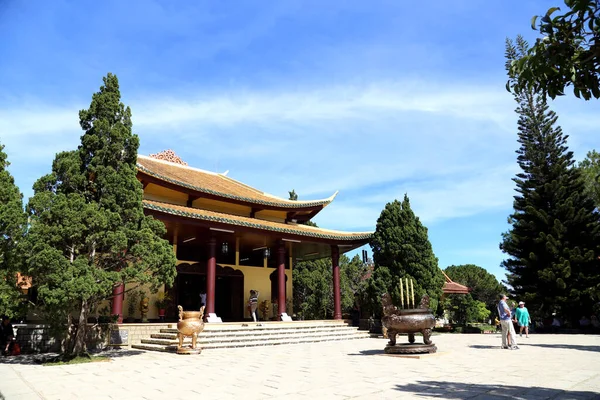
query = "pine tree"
x=553 y=244
x=88 y=231
x=12 y=226
x=401 y=249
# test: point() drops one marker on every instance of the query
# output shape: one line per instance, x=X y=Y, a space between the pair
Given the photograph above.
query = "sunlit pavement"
x=466 y=366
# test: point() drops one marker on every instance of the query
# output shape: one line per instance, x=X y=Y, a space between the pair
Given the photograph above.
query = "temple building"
x=230 y=238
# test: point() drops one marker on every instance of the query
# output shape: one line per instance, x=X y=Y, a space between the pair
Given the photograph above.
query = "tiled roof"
x=235 y=220
x=451 y=287
x=217 y=184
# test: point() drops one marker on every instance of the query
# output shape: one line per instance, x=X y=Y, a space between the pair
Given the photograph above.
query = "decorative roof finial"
x=168 y=155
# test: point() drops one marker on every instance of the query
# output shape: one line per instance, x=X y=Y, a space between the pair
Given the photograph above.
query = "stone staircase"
x=245 y=334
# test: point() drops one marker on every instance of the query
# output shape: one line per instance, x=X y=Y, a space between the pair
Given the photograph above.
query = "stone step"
x=256 y=332
x=248 y=338
x=263 y=328
x=212 y=346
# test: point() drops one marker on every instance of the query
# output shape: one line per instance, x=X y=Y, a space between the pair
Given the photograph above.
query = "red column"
x=117 y=302
x=281 y=278
x=211 y=272
x=335 y=262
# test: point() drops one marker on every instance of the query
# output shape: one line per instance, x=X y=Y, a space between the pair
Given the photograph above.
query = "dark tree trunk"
x=79 y=348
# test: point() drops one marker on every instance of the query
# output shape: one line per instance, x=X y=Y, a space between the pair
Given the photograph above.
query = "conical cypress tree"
x=401 y=249
x=553 y=244
x=12 y=226
x=88 y=229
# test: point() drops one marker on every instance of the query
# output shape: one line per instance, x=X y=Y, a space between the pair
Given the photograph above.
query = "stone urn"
x=410 y=321
x=190 y=324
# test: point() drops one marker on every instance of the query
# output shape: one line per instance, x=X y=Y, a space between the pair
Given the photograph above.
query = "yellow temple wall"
x=159 y=193
x=221 y=206
x=272 y=215
x=257 y=278
x=152 y=310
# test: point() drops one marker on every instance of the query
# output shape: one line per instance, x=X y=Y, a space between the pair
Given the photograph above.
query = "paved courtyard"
x=467 y=366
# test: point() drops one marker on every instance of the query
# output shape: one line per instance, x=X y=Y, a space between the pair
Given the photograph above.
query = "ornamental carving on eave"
x=168 y=155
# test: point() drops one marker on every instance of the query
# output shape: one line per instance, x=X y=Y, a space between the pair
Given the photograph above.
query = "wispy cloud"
x=433 y=200
x=282 y=106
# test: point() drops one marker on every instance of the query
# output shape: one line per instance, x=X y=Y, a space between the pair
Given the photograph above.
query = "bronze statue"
x=190 y=324
x=408 y=321
x=144 y=306
x=264 y=308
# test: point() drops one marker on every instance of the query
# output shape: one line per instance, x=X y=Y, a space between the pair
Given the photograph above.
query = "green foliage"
x=133 y=301
x=590 y=169
x=568 y=53
x=401 y=249
x=554 y=241
x=13 y=221
x=88 y=231
x=483 y=286
x=480 y=312
x=464 y=309
x=313 y=286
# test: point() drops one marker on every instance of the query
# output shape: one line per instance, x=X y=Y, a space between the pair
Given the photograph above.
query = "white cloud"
x=442 y=144
x=324 y=105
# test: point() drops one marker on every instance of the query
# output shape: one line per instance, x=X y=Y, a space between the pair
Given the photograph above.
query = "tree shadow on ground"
x=457 y=390
x=367 y=353
x=581 y=347
x=481 y=346
x=37 y=359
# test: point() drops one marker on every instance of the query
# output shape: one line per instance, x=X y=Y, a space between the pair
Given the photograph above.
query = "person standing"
x=253 y=304
x=7 y=337
x=523 y=319
x=507 y=326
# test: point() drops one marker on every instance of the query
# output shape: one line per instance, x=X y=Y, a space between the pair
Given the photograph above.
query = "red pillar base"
x=211 y=272
x=281 y=280
x=337 y=303
x=117 y=302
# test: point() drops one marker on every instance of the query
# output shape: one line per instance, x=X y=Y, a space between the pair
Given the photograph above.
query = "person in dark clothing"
x=7 y=336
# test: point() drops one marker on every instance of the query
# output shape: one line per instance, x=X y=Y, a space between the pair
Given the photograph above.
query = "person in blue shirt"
x=507 y=326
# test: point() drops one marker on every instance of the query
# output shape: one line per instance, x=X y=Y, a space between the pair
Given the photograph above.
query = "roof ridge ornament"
x=170 y=156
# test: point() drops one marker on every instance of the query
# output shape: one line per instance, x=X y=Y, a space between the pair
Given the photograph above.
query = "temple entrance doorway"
x=190 y=283
x=190 y=286
x=229 y=297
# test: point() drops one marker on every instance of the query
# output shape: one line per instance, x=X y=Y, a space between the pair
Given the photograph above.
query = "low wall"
x=137 y=332
x=36 y=338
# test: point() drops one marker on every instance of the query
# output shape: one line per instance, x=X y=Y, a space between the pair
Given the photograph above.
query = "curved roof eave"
x=298 y=230
x=276 y=202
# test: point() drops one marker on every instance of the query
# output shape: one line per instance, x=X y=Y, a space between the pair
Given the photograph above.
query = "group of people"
x=7 y=336
x=507 y=317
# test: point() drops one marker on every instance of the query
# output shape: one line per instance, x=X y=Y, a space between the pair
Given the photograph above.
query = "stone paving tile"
x=471 y=366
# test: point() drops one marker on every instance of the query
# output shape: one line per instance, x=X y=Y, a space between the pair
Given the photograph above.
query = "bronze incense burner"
x=409 y=321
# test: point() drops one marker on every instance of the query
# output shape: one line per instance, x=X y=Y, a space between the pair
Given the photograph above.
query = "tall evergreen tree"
x=553 y=244
x=12 y=226
x=88 y=231
x=590 y=169
x=401 y=249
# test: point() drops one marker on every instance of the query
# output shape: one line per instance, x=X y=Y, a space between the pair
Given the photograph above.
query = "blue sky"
x=374 y=99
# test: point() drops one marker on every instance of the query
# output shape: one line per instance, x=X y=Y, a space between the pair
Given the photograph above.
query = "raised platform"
x=246 y=334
